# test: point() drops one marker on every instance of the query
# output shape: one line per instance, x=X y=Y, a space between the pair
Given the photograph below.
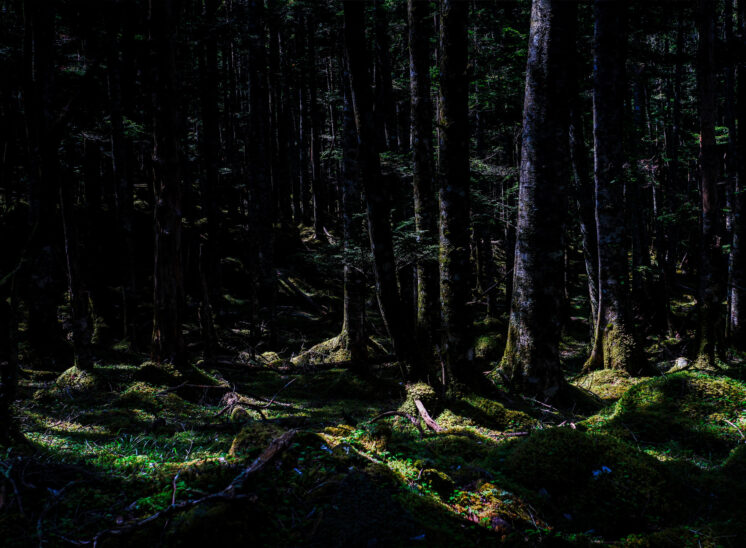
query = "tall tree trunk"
x=582 y=192
x=41 y=268
x=168 y=300
x=317 y=181
x=737 y=327
x=453 y=178
x=378 y=209
x=531 y=361
x=710 y=315
x=263 y=211
x=354 y=337
x=385 y=105
x=209 y=252
x=120 y=167
x=615 y=346
x=79 y=311
x=425 y=202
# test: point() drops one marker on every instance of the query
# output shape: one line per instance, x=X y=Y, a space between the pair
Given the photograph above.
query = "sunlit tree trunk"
x=531 y=363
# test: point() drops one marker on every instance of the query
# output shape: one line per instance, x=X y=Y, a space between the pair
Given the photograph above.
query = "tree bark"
x=425 y=202
x=41 y=269
x=378 y=209
x=531 y=362
x=708 y=306
x=453 y=179
x=263 y=211
x=615 y=346
x=168 y=300
x=354 y=336
x=737 y=327
x=385 y=105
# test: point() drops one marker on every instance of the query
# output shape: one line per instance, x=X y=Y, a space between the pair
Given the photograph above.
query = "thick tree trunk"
x=531 y=362
x=379 y=223
x=615 y=346
x=453 y=178
x=168 y=342
x=710 y=315
x=425 y=202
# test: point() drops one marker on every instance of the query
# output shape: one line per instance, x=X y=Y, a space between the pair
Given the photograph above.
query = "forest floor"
x=133 y=454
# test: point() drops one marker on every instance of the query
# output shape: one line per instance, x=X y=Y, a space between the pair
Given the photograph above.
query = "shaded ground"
x=631 y=462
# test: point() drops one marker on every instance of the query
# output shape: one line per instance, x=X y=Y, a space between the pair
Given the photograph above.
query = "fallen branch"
x=431 y=424
x=736 y=427
x=230 y=493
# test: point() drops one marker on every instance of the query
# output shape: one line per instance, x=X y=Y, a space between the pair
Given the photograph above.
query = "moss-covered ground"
x=655 y=461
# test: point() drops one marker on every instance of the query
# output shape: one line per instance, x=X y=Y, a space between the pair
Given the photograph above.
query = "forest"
x=373 y=273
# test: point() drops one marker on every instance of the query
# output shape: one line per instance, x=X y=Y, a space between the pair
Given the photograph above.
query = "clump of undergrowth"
x=685 y=414
x=589 y=481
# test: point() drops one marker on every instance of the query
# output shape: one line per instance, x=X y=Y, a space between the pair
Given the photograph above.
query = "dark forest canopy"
x=506 y=214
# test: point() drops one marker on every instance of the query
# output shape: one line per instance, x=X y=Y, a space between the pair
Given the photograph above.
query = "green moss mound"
x=686 y=412
x=140 y=395
x=473 y=410
x=254 y=438
x=426 y=394
x=608 y=384
x=593 y=481
x=329 y=351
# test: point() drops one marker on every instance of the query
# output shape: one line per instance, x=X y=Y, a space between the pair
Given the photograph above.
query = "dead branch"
x=431 y=424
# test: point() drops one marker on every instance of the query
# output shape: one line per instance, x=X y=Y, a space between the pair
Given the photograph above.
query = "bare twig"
x=736 y=427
